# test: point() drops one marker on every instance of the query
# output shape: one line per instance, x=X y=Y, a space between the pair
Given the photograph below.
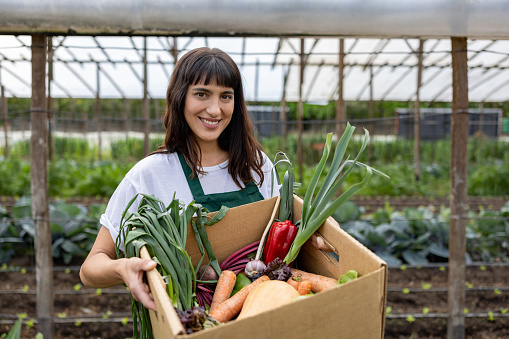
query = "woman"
x=209 y=155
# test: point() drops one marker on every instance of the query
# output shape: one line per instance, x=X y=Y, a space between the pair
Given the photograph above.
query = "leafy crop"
x=73 y=229
x=418 y=236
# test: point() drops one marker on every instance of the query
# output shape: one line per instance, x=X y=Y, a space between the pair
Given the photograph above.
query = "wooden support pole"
x=3 y=104
x=371 y=112
x=257 y=77
x=340 y=104
x=417 y=116
x=145 y=108
x=127 y=116
x=49 y=100
x=284 y=125
x=300 y=110
x=458 y=195
x=39 y=189
x=98 y=112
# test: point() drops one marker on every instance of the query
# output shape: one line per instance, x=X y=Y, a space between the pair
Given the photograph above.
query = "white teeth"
x=208 y=122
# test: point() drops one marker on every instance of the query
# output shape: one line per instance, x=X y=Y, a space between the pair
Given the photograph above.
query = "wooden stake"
x=417 y=116
x=39 y=188
x=3 y=104
x=145 y=109
x=340 y=104
x=300 y=110
x=458 y=196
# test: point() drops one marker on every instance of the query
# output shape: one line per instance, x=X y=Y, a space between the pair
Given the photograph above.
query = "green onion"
x=316 y=210
x=163 y=231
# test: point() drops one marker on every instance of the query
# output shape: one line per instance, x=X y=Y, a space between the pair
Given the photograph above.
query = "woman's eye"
x=227 y=97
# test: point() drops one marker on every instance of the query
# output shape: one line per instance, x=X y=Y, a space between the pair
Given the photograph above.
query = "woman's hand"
x=132 y=272
x=318 y=242
x=102 y=269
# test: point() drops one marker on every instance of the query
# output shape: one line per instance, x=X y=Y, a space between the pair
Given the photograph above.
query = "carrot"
x=318 y=282
x=224 y=288
x=294 y=283
x=304 y=287
x=232 y=306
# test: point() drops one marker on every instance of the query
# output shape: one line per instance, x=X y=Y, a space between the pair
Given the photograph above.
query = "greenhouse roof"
x=381 y=43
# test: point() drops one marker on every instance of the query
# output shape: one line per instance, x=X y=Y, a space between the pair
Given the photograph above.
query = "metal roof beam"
x=243 y=53
x=163 y=66
x=279 y=44
x=23 y=81
x=113 y=82
x=103 y=51
x=76 y=74
x=370 y=82
x=396 y=83
x=376 y=51
x=313 y=80
x=495 y=90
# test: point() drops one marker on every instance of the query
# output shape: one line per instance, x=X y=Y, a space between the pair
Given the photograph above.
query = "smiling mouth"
x=209 y=122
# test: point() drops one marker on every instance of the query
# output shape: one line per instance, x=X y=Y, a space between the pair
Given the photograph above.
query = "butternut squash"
x=267 y=296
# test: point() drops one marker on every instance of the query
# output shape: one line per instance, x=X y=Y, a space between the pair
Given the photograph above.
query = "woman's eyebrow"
x=203 y=89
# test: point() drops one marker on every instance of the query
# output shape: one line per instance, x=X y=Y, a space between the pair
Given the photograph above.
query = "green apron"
x=213 y=202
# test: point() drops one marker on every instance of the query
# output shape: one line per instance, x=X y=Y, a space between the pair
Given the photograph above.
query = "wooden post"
x=458 y=195
x=257 y=76
x=98 y=112
x=39 y=189
x=145 y=109
x=417 y=116
x=371 y=112
x=49 y=100
x=284 y=126
x=300 y=111
x=340 y=104
x=127 y=116
x=3 y=104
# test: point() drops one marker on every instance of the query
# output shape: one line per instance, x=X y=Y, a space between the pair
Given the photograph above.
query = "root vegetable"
x=304 y=287
x=224 y=288
x=232 y=306
x=318 y=282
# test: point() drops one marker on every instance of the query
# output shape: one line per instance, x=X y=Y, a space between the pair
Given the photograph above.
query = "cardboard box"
x=353 y=310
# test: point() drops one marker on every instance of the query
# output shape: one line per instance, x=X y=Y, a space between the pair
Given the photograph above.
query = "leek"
x=317 y=208
x=163 y=231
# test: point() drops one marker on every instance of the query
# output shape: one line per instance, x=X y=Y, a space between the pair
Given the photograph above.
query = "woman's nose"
x=213 y=107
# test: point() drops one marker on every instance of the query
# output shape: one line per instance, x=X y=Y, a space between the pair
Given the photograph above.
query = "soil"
x=82 y=312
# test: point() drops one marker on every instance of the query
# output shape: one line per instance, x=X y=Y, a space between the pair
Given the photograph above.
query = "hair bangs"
x=216 y=70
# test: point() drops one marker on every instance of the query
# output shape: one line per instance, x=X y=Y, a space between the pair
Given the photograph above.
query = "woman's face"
x=208 y=110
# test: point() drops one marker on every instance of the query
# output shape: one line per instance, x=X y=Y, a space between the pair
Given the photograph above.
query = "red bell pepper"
x=280 y=238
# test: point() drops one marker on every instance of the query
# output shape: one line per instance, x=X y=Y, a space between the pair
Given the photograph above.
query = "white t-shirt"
x=162 y=175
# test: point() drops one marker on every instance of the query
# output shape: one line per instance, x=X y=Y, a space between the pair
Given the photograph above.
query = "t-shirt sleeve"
x=117 y=204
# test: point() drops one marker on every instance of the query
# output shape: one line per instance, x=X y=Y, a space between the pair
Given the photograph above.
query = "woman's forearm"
x=101 y=268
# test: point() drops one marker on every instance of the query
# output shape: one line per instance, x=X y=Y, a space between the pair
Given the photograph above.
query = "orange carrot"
x=232 y=306
x=318 y=282
x=304 y=287
x=224 y=288
x=294 y=283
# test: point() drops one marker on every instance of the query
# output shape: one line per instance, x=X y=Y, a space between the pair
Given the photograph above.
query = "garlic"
x=254 y=269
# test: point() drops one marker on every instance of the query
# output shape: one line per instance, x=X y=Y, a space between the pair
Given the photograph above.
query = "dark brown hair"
x=205 y=65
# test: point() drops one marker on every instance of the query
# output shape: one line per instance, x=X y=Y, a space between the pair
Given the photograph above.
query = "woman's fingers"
x=319 y=243
x=136 y=268
x=141 y=293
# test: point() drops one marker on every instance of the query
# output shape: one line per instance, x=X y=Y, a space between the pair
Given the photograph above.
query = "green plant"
x=418 y=235
x=73 y=229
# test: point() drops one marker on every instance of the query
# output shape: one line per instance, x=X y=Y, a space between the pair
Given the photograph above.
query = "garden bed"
x=417 y=303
